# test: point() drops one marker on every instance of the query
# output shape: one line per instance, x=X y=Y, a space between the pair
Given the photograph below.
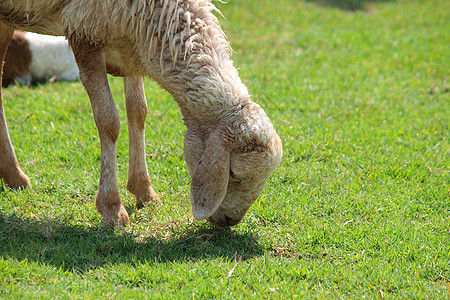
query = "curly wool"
x=162 y=31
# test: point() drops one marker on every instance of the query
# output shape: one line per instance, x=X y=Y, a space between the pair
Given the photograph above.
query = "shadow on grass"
x=78 y=248
x=351 y=5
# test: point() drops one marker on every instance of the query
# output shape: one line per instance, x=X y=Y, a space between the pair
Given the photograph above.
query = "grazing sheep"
x=35 y=57
x=230 y=145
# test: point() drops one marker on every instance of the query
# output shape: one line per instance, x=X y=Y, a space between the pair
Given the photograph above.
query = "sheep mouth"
x=224 y=221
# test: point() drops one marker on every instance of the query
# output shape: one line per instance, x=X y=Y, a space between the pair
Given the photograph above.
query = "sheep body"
x=231 y=147
x=50 y=58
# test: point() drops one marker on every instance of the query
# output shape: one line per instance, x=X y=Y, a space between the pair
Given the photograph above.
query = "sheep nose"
x=231 y=221
x=223 y=220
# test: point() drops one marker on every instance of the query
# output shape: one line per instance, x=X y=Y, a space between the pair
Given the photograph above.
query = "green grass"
x=358 y=208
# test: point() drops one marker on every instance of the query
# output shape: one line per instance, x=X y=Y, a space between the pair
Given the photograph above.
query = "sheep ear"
x=210 y=179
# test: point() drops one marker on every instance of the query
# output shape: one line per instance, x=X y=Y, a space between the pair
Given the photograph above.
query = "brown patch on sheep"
x=17 y=60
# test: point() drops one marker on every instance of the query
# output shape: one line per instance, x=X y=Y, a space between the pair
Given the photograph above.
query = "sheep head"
x=230 y=165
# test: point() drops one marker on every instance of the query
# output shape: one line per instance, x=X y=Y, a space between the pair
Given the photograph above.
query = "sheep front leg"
x=9 y=166
x=92 y=67
x=138 y=179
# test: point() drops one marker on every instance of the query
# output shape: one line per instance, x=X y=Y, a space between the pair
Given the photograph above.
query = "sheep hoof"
x=148 y=197
x=18 y=181
x=116 y=217
x=141 y=188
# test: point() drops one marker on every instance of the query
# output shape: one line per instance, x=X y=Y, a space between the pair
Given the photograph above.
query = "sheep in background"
x=230 y=145
x=35 y=58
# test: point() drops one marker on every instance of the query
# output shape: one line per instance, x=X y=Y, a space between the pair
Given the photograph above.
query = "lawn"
x=359 y=92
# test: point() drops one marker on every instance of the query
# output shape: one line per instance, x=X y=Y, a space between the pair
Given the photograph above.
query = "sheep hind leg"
x=9 y=166
x=92 y=67
x=138 y=179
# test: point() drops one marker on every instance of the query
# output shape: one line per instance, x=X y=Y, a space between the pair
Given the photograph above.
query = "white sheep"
x=230 y=145
x=35 y=57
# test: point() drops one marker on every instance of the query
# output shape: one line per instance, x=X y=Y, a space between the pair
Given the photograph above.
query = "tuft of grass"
x=359 y=206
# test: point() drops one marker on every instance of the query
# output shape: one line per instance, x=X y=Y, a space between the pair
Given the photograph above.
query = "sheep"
x=230 y=145
x=17 y=60
x=35 y=58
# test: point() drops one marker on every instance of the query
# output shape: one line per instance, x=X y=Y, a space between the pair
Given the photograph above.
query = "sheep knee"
x=108 y=124
x=112 y=126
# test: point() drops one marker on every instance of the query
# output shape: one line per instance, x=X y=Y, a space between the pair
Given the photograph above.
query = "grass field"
x=359 y=207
